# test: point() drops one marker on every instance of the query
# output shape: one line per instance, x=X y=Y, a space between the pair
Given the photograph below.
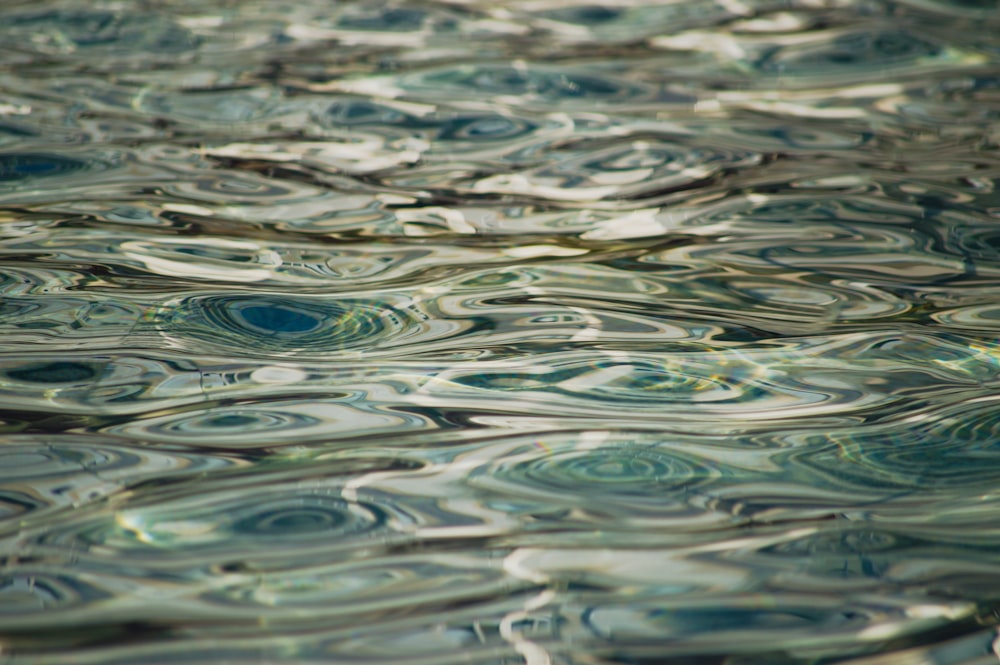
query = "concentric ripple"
x=952 y=449
x=478 y=128
x=278 y=522
x=290 y=422
x=43 y=474
x=396 y=585
x=634 y=474
x=65 y=321
x=639 y=483
x=283 y=324
x=38 y=592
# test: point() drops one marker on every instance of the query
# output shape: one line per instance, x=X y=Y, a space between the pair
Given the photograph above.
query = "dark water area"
x=537 y=332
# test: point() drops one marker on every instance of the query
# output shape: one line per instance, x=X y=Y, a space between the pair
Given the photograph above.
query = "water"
x=535 y=332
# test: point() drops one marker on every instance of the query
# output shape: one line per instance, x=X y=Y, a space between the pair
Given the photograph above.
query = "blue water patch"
x=22 y=166
x=273 y=323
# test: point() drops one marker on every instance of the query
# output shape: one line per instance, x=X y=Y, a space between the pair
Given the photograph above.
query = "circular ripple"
x=281 y=323
x=954 y=451
x=245 y=189
x=479 y=128
x=254 y=425
x=37 y=462
x=28 y=592
x=628 y=472
x=840 y=554
x=353 y=112
x=644 y=479
x=363 y=586
x=62 y=318
x=72 y=475
x=216 y=420
x=303 y=517
x=254 y=517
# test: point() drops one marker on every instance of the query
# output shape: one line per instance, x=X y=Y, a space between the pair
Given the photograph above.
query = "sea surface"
x=467 y=332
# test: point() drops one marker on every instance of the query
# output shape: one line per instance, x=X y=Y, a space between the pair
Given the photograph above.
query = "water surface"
x=537 y=332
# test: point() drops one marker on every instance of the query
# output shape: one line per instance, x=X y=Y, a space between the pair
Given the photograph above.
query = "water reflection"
x=546 y=333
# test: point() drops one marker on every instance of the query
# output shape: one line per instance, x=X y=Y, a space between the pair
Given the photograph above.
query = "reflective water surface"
x=537 y=332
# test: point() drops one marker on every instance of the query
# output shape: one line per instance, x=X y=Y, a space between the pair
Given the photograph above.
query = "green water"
x=534 y=332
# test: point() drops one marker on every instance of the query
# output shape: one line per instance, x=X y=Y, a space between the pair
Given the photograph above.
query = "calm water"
x=492 y=333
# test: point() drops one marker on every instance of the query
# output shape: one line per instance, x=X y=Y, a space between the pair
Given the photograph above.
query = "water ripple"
x=543 y=333
x=193 y=528
x=97 y=32
x=44 y=475
x=284 y=324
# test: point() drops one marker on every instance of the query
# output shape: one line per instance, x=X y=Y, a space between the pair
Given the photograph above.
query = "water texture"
x=465 y=332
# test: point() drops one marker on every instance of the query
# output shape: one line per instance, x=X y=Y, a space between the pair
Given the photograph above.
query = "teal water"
x=536 y=332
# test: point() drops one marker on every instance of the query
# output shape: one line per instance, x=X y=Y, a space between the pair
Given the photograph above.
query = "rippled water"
x=528 y=332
